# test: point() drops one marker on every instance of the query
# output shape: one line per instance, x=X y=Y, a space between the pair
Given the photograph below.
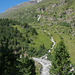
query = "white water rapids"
x=44 y=62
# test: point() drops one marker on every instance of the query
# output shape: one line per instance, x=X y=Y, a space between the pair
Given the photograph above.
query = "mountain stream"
x=44 y=62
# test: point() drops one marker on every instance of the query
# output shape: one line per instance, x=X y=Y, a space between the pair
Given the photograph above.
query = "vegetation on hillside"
x=57 y=19
x=60 y=60
x=21 y=36
x=17 y=40
x=12 y=64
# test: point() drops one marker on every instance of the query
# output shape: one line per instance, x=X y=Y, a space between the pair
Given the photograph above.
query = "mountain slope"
x=51 y=17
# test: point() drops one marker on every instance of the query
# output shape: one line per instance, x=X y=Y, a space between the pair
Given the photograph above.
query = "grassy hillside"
x=36 y=40
x=57 y=18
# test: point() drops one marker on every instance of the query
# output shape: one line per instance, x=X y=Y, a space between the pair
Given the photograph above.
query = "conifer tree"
x=27 y=66
x=8 y=60
x=60 y=60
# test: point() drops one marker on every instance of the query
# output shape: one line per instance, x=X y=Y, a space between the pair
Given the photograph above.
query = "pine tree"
x=60 y=60
x=27 y=66
x=8 y=60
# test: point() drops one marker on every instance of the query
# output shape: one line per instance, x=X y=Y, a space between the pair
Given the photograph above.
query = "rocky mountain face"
x=24 y=4
x=36 y=1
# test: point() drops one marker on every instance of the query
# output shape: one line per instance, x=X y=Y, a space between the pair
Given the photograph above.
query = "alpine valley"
x=32 y=25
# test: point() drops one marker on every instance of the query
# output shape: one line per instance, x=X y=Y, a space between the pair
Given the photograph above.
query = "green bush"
x=64 y=24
